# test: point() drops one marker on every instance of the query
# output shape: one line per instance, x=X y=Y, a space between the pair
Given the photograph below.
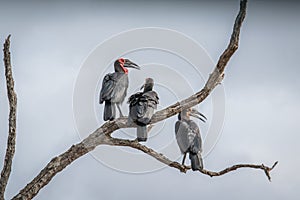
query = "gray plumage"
x=114 y=91
x=114 y=88
x=141 y=108
x=188 y=137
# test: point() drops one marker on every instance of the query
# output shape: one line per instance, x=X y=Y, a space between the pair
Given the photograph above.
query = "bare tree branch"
x=53 y=167
x=136 y=145
x=11 y=141
x=160 y=157
x=102 y=136
x=266 y=169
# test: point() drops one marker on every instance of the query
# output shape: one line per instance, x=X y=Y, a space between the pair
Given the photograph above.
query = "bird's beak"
x=142 y=87
x=197 y=114
x=129 y=64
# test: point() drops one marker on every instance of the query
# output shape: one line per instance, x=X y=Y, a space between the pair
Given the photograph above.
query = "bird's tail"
x=109 y=111
x=196 y=161
x=141 y=133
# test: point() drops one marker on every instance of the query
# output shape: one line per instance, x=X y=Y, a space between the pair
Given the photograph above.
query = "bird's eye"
x=121 y=60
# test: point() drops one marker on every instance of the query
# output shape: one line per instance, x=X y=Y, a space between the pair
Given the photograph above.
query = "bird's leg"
x=184 y=155
x=121 y=114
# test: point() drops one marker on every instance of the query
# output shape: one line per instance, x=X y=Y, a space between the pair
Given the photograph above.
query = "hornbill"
x=114 y=88
x=141 y=108
x=188 y=137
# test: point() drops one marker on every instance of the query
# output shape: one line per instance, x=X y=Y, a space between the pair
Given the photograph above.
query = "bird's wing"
x=147 y=103
x=181 y=133
x=152 y=99
x=120 y=89
x=195 y=138
x=133 y=99
x=141 y=106
x=108 y=86
x=136 y=105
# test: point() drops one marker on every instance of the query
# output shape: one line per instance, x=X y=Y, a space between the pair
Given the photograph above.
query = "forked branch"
x=102 y=136
x=160 y=157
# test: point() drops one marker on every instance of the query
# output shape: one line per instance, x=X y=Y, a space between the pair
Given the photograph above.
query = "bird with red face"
x=114 y=88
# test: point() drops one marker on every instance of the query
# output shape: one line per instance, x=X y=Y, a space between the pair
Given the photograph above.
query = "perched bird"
x=141 y=108
x=188 y=137
x=114 y=88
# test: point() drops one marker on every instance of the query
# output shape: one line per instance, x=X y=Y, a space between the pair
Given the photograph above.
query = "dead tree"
x=102 y=136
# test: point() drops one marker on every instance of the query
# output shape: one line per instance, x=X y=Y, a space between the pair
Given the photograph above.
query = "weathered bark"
x=53 y=167
x=102 y=136
x=160 y=157
x=11 y=141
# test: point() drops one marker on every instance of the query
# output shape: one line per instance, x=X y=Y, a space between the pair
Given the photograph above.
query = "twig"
x=266 y=169
x=103 y=134
x=11 y=140
x=160 y=157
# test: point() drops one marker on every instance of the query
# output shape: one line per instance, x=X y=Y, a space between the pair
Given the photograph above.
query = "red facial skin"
x=122 y=61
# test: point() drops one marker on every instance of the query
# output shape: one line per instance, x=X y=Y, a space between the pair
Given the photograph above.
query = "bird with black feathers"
x=114 y=88
x=188 y=137
x=141 y=108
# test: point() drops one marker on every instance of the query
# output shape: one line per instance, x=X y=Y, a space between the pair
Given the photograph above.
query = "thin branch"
x=103 y=134
x=266 y=169
x=160 y=157
x=12 y=98
x=136 y=145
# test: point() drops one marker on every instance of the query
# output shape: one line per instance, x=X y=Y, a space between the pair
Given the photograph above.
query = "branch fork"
x=102 y=136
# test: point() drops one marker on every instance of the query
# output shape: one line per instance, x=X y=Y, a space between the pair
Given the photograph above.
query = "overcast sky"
x=52 y=40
